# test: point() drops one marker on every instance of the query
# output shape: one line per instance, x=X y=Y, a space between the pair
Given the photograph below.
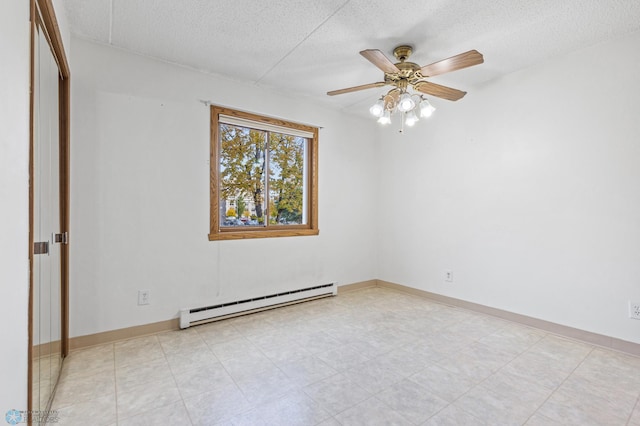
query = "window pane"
x=287 y=179
x=242 y=176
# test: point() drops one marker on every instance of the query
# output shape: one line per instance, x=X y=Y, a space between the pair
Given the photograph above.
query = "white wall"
x=14 y=193
x=529 y=190
x=140 y=195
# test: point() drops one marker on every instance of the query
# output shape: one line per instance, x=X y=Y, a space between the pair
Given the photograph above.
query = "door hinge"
x=62 y=238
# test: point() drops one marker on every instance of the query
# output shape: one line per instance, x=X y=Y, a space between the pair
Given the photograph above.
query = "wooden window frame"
x=217 y=232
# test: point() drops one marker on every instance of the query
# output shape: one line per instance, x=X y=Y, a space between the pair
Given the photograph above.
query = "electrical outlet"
x=634 y=310
x=143 y=297
x=448 y=275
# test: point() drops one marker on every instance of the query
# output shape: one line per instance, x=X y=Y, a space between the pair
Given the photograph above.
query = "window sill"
x=245 y=235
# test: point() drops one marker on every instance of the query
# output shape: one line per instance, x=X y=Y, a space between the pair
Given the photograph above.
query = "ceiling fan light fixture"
x=406 y=103
x=411 y=119
x=377 y=109
x=408 y=78
x=426 y=109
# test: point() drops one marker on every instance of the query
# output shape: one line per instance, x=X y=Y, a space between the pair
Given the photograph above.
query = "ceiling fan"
x=408 y=74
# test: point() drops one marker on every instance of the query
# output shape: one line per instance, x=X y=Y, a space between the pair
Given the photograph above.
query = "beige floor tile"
x=180 y=340
x=595 y=386
x=540 y=420
x=233 y=348
x=100 y=411
x=94 y=352
x=474 y=329
x=564 y=352
x=611 y=371
x=426 y=350
x=202 y=379
x=566 y=406
x=477 y=361
x=634 y=418
x=342 y=358
x=144 y=343
x=371 y=412
x=442 y=382
x=147 y=397
x=318 y=342
x=266 y=386
x=336 y=393
x=394 y=337
x=248 y=364
x=271 y=338
x=494 y=408
x=218 y=405
x=454 y=416
x=371 y=345
x=217 y=332
x=513 y=339
x=516 y=389
x=72 y=390
x=171 y=414
x=540 y=369
x=374 y=375
x=346 y=331
x=90 y=361
x=137 y=351
x=331 y=421
x=254 y=324
x=414 y=402
x=292 y=409
x=308 y=370
x=445 y=342
x=403 y=362
x=131 y=376
x=190 y=359
x=284 y=353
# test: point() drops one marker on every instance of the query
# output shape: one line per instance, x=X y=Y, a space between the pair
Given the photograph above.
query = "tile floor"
x=368 y=357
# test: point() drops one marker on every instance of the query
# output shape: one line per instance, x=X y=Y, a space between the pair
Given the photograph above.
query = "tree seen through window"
x=254 y=163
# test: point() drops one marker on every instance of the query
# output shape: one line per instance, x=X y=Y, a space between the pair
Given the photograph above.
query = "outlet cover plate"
x=448 y=275
x=143 y=297
x=634 y=310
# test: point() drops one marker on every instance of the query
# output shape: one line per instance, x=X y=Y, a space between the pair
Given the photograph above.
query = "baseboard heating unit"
x=195 y=316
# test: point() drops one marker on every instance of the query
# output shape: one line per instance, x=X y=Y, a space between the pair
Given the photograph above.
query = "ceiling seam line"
x=301 y=41
x=110 y=21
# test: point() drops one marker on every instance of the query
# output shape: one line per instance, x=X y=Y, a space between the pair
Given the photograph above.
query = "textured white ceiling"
x=308 y=47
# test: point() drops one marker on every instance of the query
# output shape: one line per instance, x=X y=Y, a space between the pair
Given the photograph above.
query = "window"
x=264 y=176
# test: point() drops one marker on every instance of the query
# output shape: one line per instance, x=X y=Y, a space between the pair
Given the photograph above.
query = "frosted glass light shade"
x=411 y=119
x=426 y=109
x=377 y=109
x=406 y=103
x=385 y=118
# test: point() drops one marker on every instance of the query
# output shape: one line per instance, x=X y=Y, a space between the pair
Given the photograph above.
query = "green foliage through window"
x=266 y=176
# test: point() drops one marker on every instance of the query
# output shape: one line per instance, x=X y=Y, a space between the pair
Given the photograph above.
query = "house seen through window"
x=263 y=176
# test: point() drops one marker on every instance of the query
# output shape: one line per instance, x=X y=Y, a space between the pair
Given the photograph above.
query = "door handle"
x=62 y=238
x=41 y=247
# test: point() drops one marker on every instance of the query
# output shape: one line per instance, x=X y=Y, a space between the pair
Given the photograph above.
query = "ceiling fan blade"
x=439 y=91
x=378 y=59
x=356 y=88
x=457 y=62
